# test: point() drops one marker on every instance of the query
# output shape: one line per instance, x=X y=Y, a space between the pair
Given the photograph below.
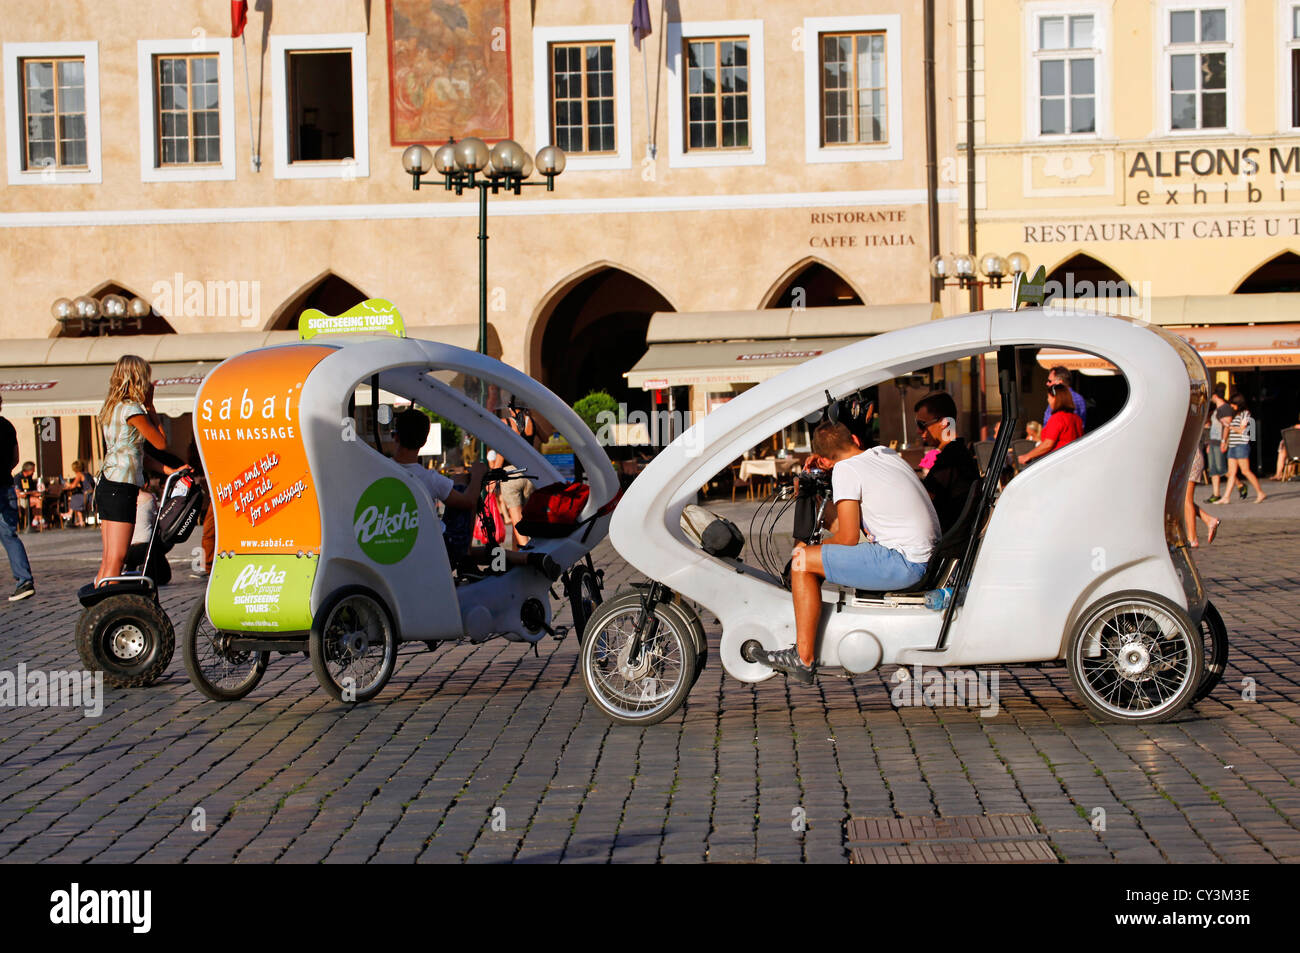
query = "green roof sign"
x=372 y=316
x=1030 y=290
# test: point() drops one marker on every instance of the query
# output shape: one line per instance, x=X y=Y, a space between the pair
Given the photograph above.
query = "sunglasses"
x=924 y=424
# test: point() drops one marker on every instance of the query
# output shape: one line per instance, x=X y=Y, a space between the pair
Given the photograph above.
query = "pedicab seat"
x=950 y=547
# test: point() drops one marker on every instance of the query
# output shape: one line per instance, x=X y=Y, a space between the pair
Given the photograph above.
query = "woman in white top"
x=128 y=419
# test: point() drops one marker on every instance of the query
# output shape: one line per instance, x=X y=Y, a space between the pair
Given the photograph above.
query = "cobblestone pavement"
x=466 y=735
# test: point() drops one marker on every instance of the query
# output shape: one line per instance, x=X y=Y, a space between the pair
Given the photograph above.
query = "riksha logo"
x=386 y=521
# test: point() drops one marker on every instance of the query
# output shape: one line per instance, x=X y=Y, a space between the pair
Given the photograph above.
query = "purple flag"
x=640 y=21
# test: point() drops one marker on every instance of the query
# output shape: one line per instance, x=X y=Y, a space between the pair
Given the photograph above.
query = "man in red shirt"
x=1062 y=427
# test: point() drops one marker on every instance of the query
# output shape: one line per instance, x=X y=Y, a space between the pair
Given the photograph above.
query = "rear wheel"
x=1214 y=636
x=648 y=688
x=584 y=597
x=129 y=638
x=214 y=669
x=1136 y=657
x=353 y=645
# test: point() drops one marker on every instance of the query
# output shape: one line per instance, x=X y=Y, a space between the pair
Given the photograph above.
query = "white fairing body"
x=1084 y=521
x=419 y=589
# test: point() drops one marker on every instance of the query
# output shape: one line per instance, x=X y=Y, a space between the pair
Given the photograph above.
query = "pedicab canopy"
x=246 y=419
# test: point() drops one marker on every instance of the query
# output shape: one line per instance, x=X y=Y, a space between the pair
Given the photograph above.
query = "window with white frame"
x=1066 y=54
x=187 y=115
x=582 y=98
x=716 y=110
x=1293 y=61
x=51 y=105
x=852 y=92
x=581 y=101
x=1198 y=50
x=320 y=106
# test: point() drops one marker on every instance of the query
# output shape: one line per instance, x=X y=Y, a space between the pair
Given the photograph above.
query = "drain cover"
x=964 y=839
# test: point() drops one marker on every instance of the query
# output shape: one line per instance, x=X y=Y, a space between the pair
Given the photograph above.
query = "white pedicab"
x=1080 y=557
x=327 y=546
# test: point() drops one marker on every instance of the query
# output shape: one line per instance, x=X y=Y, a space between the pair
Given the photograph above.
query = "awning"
x=58 y=391
x=727 y=362
x=58 y=377
x=1172 y=311
x=1222 y=346
x=746 y=347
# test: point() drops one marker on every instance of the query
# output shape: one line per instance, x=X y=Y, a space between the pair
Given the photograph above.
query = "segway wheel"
x=129 y=638
x=214 y=669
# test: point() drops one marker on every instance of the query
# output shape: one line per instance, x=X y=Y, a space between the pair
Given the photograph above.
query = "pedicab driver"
x=412 y=429
x=876 y=493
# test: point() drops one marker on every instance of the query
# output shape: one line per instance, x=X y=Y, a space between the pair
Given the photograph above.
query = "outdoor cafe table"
x=770 y=467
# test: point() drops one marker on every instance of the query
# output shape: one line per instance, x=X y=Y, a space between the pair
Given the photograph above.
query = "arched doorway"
x=326 y=292
x=591 y=330
x=811 y=284
x=1274 y=393
x=1275 y=275
x=152 y=323
x=1082 y=276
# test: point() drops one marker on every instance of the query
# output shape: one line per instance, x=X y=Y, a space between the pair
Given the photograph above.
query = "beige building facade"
x=743 y=158
x=1151 y=151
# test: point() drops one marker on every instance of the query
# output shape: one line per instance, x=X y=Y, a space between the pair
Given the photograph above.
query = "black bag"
x=180 y=512
x=722 y=538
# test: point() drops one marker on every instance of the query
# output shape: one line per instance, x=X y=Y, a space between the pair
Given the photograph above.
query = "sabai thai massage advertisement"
x=263 y=491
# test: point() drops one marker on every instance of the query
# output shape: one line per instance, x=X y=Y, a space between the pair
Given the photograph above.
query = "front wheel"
x=1136 y=657
x=216 y=671
x=353 y=645
x=129 y=638
x=647 y=688
x=1214 y=635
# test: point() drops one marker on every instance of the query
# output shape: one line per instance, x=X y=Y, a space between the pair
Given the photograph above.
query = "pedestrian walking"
x=1191 y=511
x=13 y=545
x=1216 y=447
x=1240 y=432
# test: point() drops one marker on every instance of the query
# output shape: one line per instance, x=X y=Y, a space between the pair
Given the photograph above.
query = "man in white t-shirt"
x=876 y=494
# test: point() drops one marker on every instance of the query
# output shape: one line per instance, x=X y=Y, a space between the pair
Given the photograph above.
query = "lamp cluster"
x=470 y=162
x=111 y=313
x=961 y=267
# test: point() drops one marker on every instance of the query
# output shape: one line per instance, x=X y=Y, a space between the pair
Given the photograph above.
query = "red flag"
x=238 y=17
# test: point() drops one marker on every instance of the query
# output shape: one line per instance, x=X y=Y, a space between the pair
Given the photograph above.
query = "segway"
x=123 y=630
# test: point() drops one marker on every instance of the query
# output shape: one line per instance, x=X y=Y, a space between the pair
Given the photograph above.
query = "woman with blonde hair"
x=128 y=419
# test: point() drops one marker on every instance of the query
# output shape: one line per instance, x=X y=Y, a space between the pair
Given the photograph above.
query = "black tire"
x=585 y=597
x=215 y=671
x=1148 y=659
x=353 y=637
x=662 y=679
x=129 y=638
x=1214 y=635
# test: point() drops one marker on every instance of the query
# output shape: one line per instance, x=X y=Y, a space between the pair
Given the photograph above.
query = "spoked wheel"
x=1136 y=657
x=214 y=669
x=353 y=646
x=128 y=637
x=584 y=596
x=1214 y=639
x=647 y=688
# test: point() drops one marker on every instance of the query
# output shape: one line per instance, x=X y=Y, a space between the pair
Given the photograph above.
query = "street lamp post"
x=960 y=271
x=470 y=164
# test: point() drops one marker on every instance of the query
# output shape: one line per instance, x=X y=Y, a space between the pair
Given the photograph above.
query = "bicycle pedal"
x=559 y=633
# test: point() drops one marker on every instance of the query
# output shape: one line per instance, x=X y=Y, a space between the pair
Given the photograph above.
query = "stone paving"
x=491 y=753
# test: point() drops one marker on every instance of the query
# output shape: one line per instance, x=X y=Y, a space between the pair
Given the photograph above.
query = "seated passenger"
x=876 y=493
x=954 y=470
x=411 y=427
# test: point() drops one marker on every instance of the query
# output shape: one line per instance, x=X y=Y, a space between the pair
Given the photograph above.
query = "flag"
x=238 y=17
x=640 y=21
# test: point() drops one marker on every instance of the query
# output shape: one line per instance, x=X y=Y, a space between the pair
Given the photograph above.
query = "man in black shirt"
x=955 y=470
x=13 y=546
